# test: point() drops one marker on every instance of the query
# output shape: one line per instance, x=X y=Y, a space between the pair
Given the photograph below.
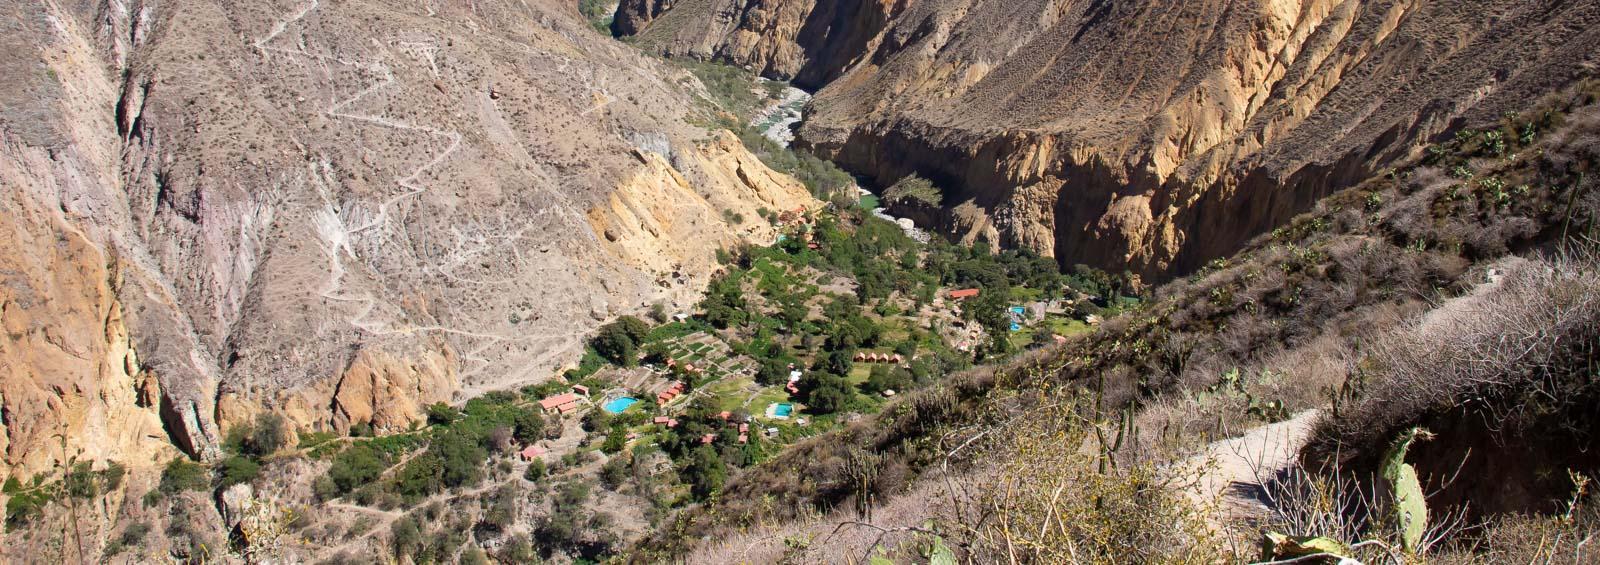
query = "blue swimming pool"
x=617 y=405
x=783 y=410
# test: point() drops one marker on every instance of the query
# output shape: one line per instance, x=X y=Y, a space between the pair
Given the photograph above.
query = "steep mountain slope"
x=1456 y=293
x=1149 y=135
x=339 y=211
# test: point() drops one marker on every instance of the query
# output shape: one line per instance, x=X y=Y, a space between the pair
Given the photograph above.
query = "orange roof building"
x=672 y=392
x=964 y=294
x=561 y=403
x=531 y=452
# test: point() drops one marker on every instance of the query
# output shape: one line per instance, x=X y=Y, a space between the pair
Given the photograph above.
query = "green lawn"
x=1020 y=294
x=767 y=396
x=859 y=373
x=1059 y=325
x=729 y=392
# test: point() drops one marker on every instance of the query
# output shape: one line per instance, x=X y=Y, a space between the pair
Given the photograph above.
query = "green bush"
x=355 y=467
x=237 y=469
x=257 y=439
x=26 y=503
x=915 y=189
x=536 y=470
x=615 y=439
x=80 y=480
x=111 y=477
x=181 y=475
x=883 y=379
x=614 y=472
x=405 y=536
x=441 y=414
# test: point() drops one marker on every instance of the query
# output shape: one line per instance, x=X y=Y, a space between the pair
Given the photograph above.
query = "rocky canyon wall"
x=337 y=211
x=809 y=42
x=1154 y=135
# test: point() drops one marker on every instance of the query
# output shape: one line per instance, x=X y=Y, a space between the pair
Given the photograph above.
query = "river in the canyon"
x=777 y=124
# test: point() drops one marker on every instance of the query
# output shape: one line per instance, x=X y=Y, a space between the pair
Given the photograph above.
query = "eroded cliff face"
x=1154 y=135
x=340 y=212
x=807 y=41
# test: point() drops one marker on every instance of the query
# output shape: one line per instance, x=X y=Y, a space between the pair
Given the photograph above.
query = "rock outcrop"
x=1150 y=135
x=807 y=41
x=339 y=211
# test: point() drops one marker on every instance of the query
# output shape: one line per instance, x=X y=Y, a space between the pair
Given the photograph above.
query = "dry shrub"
x=1053 y=501
x=1515 y=348
x=1527 y=538
x=1336 y=504
x=1313 y=371
x=1505 y=377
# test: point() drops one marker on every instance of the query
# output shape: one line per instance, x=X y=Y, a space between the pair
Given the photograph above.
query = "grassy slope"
x=1293 y=313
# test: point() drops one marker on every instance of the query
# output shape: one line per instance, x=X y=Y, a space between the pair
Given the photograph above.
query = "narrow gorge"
x=1141 y=136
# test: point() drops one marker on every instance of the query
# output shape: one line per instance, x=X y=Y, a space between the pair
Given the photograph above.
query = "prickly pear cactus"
x=1409 y=509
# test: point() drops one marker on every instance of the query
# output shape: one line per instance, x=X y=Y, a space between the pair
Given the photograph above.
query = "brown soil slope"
x=1149 y=135
x=337 y=210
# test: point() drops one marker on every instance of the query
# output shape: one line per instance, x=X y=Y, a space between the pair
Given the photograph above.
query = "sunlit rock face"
x=1150 y=135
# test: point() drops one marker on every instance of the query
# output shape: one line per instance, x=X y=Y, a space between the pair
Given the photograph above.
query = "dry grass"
x=1536 y=539
x=1515 y=350
x=1060 y=495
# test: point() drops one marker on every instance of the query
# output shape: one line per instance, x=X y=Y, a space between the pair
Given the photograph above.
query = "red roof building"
x=672 y=392
x=531 y=452
x=580 y=389
x=963 y=294
x=744 y=438
x=708 y=438
x=562 y=403
x=660 y=420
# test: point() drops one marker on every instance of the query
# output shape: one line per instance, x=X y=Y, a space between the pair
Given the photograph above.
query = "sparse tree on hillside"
x=528 y=426
x=705 y=472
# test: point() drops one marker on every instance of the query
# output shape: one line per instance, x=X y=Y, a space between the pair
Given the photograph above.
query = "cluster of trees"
x=458 y=444
x=246 y=445
x=825 y=392
x=572 y=527
x=782 y=330
x=724 y=304
x=702 y=466
x=619 y=341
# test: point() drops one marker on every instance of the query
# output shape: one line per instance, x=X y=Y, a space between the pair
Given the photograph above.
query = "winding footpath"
x=334 y=229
